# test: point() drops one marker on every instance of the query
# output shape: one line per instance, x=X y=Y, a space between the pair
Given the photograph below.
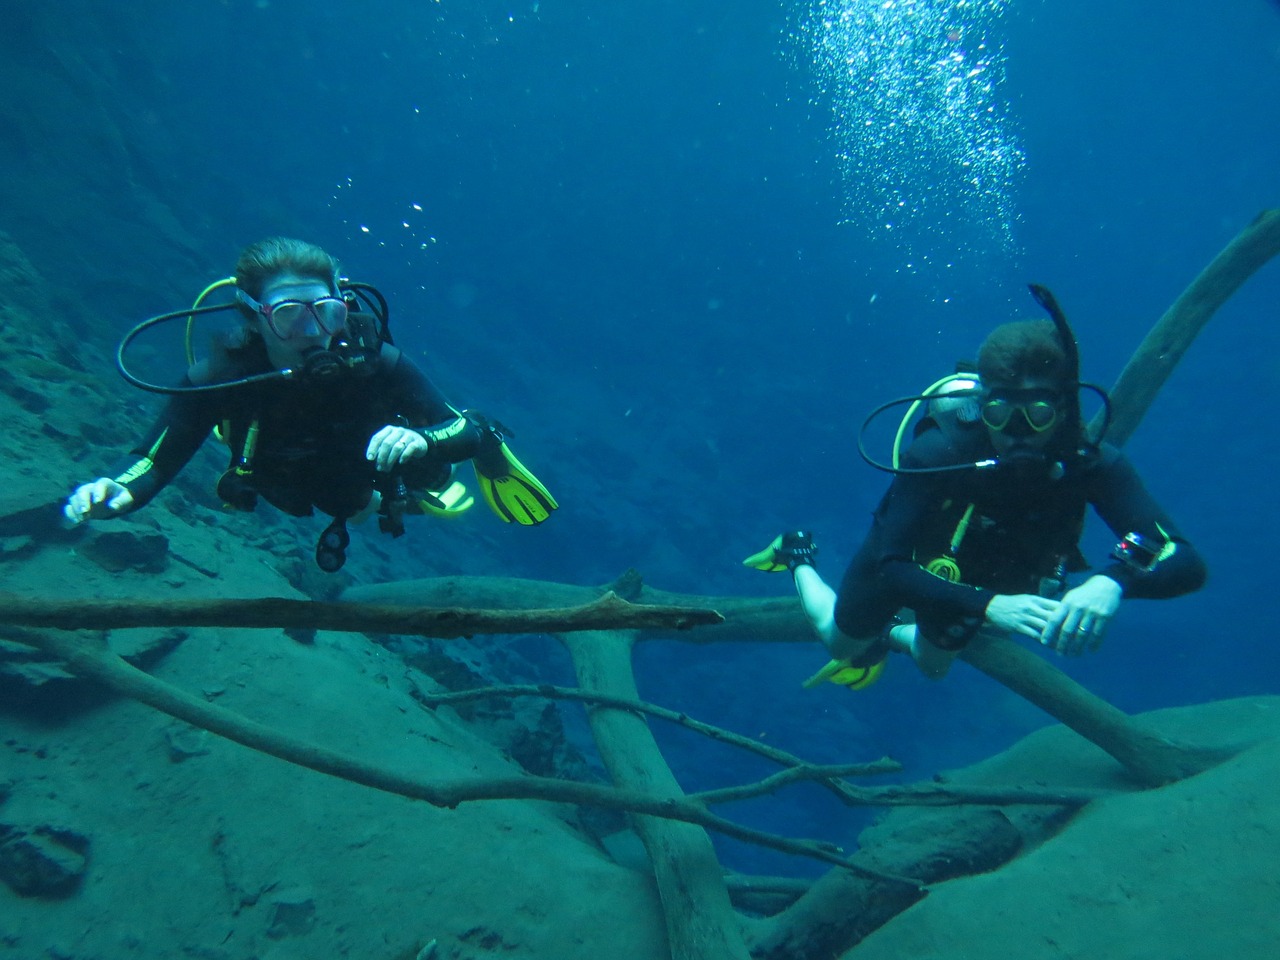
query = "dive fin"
x=452 y=501
x=511 y=491
x=847 y=675
x=767 y=559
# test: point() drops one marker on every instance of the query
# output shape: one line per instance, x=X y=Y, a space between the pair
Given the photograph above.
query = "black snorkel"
x=352 y=350
x=373 y=299
x=194 y=388
x=1083 y=446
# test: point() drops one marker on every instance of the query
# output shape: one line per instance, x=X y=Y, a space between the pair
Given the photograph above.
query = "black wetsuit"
x=1022 y=534
x=312 y=433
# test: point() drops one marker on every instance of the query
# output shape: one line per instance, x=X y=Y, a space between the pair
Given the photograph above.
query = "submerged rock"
x=121 y=550
x=26 y=669
x=42 y=861
x=293 y=914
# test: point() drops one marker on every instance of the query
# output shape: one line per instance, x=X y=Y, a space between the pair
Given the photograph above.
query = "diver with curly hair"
x=979 y=529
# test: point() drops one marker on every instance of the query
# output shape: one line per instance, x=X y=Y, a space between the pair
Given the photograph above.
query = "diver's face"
x=1023 y=417
x=289 y=352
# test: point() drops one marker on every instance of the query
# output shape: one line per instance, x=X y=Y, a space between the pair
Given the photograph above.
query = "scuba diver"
x=979 y=528
x=319 y=409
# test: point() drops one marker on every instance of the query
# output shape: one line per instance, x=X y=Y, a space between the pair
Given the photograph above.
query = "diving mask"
x=290 y=319
x=1040 y=414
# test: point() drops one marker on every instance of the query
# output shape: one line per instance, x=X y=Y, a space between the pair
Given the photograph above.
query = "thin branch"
x=907 y=795
x=550 y=692
x=798 y=773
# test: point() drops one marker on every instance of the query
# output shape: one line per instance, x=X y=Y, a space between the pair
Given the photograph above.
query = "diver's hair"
x=1024 y=348
x=260 y=262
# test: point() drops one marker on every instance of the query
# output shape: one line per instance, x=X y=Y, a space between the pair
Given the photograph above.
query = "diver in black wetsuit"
x=979 y=529
x=320 y=412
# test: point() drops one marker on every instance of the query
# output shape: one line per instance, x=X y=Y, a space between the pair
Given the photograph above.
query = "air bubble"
x=922 y=138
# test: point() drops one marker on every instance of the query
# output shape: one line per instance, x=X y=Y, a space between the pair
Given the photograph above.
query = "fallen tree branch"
x=607 y=612
x=874 y=768
x=696 y=907
x=764 y=896
x=90 y=657
x=1027 y=673
x=1150 y=758
x=933 y=795
x=906 y=795
x=757 y=619
x=1162 y=348
x=929 y=794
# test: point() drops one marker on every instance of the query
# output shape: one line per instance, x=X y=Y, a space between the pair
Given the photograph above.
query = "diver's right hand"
x=1024 y=613
x=97 y=500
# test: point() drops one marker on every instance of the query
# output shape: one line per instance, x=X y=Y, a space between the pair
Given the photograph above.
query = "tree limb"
x=1162 y=348
x=604 y=612
x=550 y=692
x=90 y=657
x=701 y=923
x=1151 y=759
x=907 y=795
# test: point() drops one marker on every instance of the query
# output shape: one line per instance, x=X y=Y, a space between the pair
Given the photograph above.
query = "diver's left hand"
x=391 y=447
x=1083 y=616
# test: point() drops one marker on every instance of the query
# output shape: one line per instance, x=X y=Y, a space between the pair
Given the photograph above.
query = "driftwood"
x=1151 y=759
x=1157 y=355
x=701 y=922
x=915 y=795
x=89 y=656
x=836 y=785
x=594 y=613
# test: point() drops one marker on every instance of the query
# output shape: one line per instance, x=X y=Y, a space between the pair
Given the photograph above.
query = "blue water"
x=652 y=239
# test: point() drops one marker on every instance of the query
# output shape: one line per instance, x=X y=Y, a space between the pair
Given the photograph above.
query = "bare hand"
x=1083 y=617
x=392 y=447
x=1023 y=613
x=97 y=500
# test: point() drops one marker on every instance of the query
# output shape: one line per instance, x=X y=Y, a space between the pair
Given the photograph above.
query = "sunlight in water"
x=921 y=134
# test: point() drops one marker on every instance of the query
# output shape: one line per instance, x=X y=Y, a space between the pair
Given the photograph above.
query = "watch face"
x=1136 y=551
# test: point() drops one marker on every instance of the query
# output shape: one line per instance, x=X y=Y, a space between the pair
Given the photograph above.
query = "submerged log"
x=594 y=612
x=89 y=656
x=526 y=608
x=701 y=922
x=1151 y=759
x=1162 y=348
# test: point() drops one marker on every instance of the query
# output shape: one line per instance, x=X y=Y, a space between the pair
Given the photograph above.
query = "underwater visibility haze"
x=682 y=249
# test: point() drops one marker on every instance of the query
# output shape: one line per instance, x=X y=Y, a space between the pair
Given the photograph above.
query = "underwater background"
x=682 y=249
